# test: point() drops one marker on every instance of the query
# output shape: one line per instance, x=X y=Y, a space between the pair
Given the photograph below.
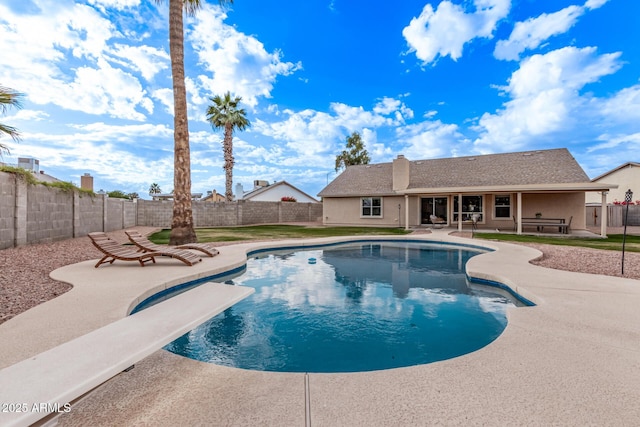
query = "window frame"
x=467 y=214
x=496 y=206
x=372 y=207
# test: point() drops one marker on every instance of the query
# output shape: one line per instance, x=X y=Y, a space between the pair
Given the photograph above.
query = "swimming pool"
x=352 y=307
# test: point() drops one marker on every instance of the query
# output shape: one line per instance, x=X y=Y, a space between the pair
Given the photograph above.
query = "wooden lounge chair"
x=114 y=250
x=146 y=245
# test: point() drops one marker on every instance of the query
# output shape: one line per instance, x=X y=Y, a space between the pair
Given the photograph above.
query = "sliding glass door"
x=436 y=206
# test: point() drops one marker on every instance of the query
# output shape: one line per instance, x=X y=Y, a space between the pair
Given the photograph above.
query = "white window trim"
x=371 y=216
x=503 y=218
x=483 y=212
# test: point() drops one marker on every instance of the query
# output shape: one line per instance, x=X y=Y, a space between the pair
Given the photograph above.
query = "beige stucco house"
x=498 y=190
x=626 y=177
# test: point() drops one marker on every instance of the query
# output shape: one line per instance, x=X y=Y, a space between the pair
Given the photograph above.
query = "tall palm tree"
x=182 y=221
x=8 y=98
x=154 y=189
x=224 y=113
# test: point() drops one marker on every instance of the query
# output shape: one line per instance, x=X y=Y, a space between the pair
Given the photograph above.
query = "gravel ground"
x=25 y=281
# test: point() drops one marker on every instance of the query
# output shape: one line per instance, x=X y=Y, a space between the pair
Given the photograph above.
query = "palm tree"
x=154 y=189
x=182 y=221
x=8 y=98
x=224 y=113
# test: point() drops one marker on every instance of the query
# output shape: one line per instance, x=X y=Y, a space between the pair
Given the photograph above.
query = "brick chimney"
x=400 y=173
x=86 y=182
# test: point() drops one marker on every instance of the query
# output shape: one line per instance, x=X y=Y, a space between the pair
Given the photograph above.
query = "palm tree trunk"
x=228 y=161
x=182 y=222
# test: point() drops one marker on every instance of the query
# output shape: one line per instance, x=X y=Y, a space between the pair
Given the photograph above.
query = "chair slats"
x=115 y=251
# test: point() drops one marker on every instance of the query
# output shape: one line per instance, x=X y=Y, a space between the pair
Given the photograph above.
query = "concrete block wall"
x=37 y=214
x=158 y=213
x=215 y=214
x=49 y=214
x=129 y=213
x=155 y=213
x=258 y=212
x=114 y=214
x=7 y=210
x=90 y=215
x=300 y=212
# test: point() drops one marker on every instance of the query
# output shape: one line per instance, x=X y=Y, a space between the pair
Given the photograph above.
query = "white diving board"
x=50 y=381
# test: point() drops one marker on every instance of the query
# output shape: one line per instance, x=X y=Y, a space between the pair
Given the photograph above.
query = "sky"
x=426 y=79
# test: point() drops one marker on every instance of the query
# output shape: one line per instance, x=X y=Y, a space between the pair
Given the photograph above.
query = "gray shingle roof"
x=530 y=167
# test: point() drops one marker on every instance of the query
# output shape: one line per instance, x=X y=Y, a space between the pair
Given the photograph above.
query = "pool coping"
x=582 y=336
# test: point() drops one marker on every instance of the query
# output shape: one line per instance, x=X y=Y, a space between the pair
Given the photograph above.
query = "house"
x=497 y=190
x=169 y=196
x=213 y=196
x=33 y=166
x=626 y=177
x=265 y=192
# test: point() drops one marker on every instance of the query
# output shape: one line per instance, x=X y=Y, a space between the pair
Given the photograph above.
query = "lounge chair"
x=437 y=221
x=146 y=245
x=114 y=250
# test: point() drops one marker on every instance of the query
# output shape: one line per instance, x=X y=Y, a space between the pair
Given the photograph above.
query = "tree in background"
x=182 y=230
x=355 y=154
x=117 y=194
x=154 y=189
x=225 y=114
x=8 y=98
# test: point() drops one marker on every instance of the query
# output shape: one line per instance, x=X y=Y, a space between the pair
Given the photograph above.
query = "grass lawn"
x=612 y=243
x=266 y=232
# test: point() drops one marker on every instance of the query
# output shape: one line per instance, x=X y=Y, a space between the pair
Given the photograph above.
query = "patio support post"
x=406 y=211
x=603 y=215
x=519 y=213
x=460 y=212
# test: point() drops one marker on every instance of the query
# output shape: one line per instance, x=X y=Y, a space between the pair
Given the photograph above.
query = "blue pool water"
x=353 y=307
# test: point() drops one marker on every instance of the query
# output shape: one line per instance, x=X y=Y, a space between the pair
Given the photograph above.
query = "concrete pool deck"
x=574 y=359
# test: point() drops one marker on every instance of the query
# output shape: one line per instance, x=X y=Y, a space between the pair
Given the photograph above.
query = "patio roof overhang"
x=526 y=188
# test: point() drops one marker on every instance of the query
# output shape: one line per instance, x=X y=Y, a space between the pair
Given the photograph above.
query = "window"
x=371 y=207
x=502 y=206
x=471 y=205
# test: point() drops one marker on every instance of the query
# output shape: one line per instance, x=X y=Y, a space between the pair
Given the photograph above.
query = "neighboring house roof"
x=628 y=164
x=256 y=192
x=45 y=177
x=554 y=169
x=169 y=196
x=213 y=196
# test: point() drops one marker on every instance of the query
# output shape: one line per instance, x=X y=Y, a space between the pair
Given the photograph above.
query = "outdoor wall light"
x=628 y=196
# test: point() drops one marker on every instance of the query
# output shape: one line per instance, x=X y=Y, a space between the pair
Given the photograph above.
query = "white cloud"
x=429 y=139
x=533 y=32
x=445 y=31
x=165 y=97
x=545 y=98
x=115 y=4
x=569 y=68
x=616 y=141
x=84 y=150
x=73 y=66
x=28 y=116
x=594 y=4
x=145 y=59
x=239 y=63
x=389 y=105
x=624 y=106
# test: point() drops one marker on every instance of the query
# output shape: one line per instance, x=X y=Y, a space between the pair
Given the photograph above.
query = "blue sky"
x=427 y=79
